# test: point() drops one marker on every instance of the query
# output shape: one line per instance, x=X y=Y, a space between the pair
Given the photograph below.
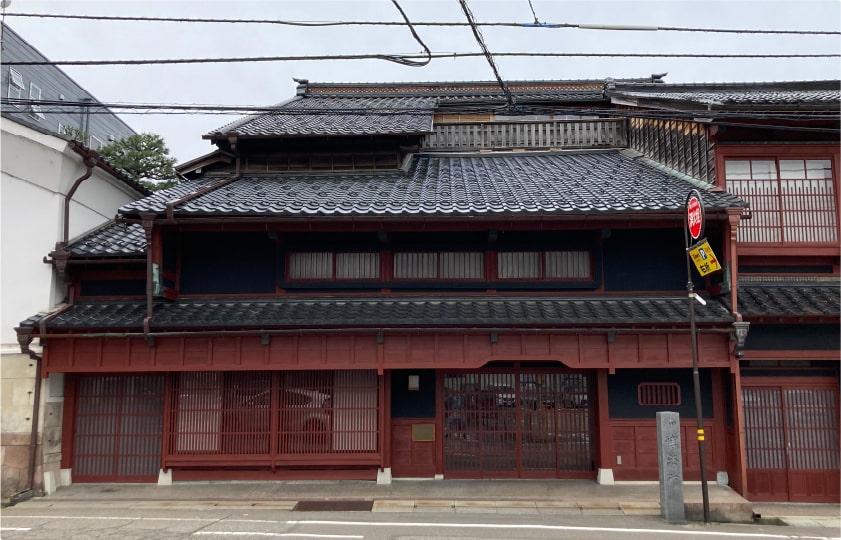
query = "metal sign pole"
x=693 y=337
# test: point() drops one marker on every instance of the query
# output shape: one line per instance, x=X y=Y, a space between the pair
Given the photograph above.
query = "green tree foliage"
x=144 y=158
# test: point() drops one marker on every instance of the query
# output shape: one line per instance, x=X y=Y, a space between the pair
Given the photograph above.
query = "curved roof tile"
x=502 y=184
x=390 y=312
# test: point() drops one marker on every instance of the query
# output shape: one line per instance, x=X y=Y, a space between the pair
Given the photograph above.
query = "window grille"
x=548 y=265
x=328 y=265
x=658 y=394
x=446 y=265
x=233 y=415
x=791 y=200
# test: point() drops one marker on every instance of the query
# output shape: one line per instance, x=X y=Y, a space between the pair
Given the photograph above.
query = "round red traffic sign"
x=694 y=216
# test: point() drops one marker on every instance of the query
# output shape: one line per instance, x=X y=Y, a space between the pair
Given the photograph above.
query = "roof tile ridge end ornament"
x=170 y=206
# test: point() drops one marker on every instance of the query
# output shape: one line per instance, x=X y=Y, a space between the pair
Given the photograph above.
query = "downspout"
x=148 y=224
x=739 y=334
x=90 y=162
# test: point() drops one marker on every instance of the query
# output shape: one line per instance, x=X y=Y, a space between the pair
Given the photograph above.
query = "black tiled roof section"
x=448 y=184
x=789 y=299
x=111 y=240
x=336 y=116
x=770 y=94
x=390 y=312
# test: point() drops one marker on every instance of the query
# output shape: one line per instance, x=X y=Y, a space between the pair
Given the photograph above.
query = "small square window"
x=95 y=144
x=34 y=91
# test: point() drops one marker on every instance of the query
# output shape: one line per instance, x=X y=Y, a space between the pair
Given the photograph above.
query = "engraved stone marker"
x=671 y=467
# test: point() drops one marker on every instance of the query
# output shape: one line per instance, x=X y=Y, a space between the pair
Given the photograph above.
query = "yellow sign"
x=705 y=260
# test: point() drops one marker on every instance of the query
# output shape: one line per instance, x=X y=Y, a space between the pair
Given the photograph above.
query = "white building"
x=39 y=170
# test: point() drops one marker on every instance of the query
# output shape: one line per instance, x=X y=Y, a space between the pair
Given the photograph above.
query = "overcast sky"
x=268 y=83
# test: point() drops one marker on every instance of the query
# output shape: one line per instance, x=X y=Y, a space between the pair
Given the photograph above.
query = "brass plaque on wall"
x=423 y=432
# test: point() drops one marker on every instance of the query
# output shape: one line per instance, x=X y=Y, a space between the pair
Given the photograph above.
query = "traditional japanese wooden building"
x=413 y=280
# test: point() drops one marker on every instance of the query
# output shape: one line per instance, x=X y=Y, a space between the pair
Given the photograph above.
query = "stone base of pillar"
x=165 y=478
x=605 y=477
x=66 y=477
x=384 y=476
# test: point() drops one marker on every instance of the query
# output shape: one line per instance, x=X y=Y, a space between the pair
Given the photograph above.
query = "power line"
x=317 y=24
x=403 y=59
x=488 y=56
x=48 y=107
x=536 y=22
x=394 y=57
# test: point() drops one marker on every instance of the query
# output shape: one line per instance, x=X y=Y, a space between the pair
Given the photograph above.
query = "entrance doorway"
x=119 y=428
x=518 y=424
x=791 y=441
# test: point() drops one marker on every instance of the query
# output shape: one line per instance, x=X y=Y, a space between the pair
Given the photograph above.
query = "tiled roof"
x=335 y=116
x=724 y=94
x=390 y=312
x=806 y=299
x=112 y=239
x=470 y=91
x=448 y=184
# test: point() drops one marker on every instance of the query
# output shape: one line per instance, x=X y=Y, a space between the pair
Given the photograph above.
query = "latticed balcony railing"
x=600 y=133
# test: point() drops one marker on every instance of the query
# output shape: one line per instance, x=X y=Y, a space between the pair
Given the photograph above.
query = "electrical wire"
x=317 y=24
x=536 y=22
x=403 y=59
x=793 y=114
x=394 y=57
x=488 y=56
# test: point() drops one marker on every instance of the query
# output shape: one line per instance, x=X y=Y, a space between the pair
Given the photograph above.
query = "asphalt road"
x=22 y=522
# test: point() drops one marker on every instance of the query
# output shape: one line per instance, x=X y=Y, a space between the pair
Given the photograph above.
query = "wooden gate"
x=518 y=424
x=118 y=433
x=792 y=441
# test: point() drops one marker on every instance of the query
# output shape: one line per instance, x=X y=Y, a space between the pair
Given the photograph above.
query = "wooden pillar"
x=739 y=420
x=605 y=433
x=719 y=420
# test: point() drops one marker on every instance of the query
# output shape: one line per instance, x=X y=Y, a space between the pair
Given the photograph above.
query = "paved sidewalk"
x=568 y=497
x=801 y=514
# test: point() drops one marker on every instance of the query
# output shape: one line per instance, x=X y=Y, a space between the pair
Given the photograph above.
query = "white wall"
x=37 y=171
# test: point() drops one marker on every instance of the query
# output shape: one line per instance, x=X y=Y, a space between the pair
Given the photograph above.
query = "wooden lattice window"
x=544 y=265
x=431 y=265
x=326 y=265
x=658 y=393
x=791 y=200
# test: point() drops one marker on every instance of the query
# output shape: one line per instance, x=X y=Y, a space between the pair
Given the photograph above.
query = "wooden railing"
x=604 y=133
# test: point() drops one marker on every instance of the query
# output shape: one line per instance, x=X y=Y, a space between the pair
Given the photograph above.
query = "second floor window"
x=323 y=265
x=791 y=200
x=544 y=265
x=431 y=265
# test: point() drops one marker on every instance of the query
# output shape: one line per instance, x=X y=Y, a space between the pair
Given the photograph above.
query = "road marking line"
x=284 y=535
x=15 y=529
x=675 y=532
x=558 y=528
